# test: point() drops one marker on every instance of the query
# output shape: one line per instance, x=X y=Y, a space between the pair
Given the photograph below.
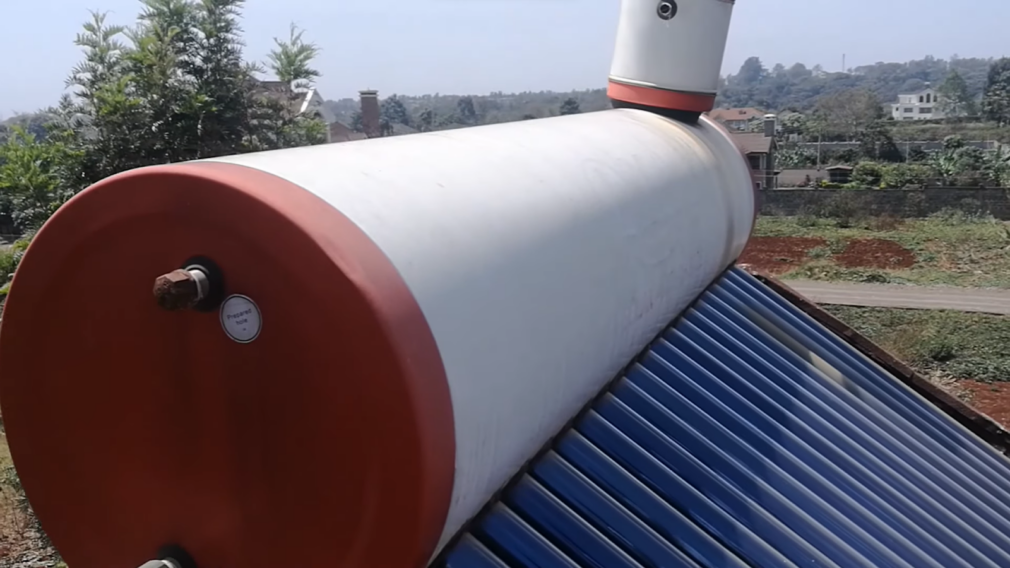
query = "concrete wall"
x=880 y=202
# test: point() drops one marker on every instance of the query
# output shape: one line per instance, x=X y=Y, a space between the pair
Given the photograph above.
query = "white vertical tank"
x=669 y=53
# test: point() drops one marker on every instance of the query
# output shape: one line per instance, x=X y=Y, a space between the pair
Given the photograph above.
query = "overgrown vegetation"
x=22 y=541
x=10 y=258
x=956 y=164
x=952 y=248
x=934 y=342
x=173 y=87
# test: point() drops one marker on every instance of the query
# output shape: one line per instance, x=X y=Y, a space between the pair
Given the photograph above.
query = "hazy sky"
x=478 y=46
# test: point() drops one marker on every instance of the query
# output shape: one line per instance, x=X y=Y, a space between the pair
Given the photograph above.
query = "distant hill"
x=490 y=109
x=798 y=88
x=754 y=85
x=33 y=123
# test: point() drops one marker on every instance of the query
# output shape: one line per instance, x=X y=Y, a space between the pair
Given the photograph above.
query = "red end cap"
x=660 y=98
x=133 y=427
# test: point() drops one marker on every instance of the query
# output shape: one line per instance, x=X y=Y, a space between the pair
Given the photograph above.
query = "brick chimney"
x=770 y=125
x=370 y=113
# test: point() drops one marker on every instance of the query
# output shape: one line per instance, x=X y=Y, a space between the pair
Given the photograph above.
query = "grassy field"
x=950 y=250
x=11 y=516
x=954 y=345
x=965 y=354
x=22 y=542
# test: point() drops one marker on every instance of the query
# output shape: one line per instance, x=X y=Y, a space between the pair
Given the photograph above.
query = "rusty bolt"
x=177 y=290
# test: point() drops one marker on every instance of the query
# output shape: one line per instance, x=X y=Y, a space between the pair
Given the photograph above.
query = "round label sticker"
x=240 y=318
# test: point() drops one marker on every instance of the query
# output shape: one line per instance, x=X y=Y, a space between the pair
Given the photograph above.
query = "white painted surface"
x=681 y=54
x=240 y=318
x=544 y=254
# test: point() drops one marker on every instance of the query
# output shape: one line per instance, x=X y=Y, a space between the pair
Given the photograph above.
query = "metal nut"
x=177 y=290
x=667 y=9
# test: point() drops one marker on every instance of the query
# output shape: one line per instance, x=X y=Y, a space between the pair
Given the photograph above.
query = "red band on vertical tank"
x=660 y=98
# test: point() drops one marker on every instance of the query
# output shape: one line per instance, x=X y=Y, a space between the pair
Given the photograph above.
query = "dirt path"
x=914 y=297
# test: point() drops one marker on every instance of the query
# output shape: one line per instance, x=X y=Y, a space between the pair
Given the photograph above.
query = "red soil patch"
x=875 y=253
x=993 y=400
x=776 y=255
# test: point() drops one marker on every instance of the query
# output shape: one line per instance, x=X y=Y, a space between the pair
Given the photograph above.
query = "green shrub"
x=867 y=174
x=8 y=264
x=807 y=220
x=956 y=216
x=9 y=260
x=873 y=277
x=938 y=349
x=900 y=176
x=829 y=185
x=819 y=252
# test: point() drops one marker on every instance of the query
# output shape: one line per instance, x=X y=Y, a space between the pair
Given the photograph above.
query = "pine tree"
x=996 y=101
x=953 y=97
x=570 y=106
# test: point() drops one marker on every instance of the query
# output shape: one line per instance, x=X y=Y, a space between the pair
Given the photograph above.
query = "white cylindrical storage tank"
x=406 y=321
x=668 y=53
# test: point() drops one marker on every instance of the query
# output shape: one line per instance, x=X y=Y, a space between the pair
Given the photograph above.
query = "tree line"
x=800 y=88
x=443 y=112
x=779 y=89
x=858 y=115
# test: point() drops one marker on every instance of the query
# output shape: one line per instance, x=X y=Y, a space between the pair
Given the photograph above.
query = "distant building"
x=309 y=102
x=371 y=114
x=801 y=177
x=302 y=101
x=339 y=132
x=735 y=118
x=839 y=174
x=917 y=106
x=759 y=147
x=812 y=178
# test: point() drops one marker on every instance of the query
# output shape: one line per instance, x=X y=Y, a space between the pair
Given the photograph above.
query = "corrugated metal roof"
x=735 y=114
x=752 y=142
x=750 y=435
